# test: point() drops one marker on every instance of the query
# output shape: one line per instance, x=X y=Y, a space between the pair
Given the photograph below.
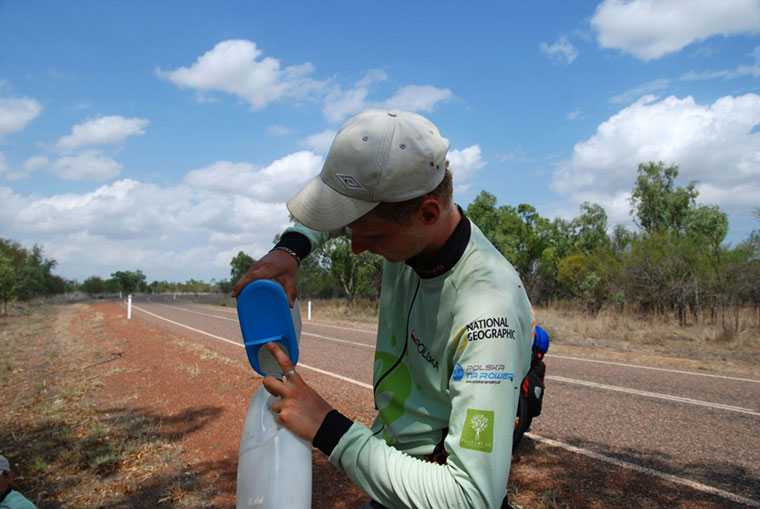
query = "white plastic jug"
x=274 y=465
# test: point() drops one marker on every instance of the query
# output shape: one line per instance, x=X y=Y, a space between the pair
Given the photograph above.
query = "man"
x=454 y=328
x=10 y=498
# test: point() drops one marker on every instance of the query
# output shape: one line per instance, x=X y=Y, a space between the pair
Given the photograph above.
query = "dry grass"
x=66 y=449
x=363 y=313
x=572 y=324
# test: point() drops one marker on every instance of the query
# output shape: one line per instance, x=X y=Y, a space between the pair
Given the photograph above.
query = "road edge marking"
x=649 y=471
x=214 y=336
x=680 y=399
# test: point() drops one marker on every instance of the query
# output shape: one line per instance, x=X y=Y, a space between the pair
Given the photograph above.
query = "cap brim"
x=320 y=207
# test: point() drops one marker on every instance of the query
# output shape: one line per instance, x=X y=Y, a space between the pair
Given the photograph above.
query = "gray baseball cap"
x=377 y=156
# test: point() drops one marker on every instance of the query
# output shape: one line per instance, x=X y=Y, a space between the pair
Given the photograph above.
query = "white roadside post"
x=308 y=315
x=129 y=307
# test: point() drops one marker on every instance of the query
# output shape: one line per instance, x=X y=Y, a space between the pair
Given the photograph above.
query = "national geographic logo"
x=485 y=328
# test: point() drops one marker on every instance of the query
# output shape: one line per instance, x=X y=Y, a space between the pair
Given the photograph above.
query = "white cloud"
x=3 y=164
x=277 y=130
x=321 y=141
x=575 y=114
x=633 y=94
x=170 y=232
x=464 y=163
x=650 y=29
x=339 y=103
x=713 y=144
x=417 y=98
x=35 y=163
x=752 y=69
x=562 y=50
x=27 y=168
x=234 y=67
x=15 y=114
x=86 y=166
x=275 y=182
x=101 y=131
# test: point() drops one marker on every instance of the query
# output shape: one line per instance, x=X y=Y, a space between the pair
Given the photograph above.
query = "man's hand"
x=300 y=408
x=277 y=265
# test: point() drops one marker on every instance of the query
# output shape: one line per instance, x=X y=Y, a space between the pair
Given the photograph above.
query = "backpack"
x=532 y=388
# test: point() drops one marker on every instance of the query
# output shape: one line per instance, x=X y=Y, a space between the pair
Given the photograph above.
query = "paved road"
x=695 y=429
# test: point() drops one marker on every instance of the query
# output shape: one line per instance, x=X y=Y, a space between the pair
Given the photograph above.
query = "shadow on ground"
x=114 y=457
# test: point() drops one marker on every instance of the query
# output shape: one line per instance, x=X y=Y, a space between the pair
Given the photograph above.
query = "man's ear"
x=429 y=211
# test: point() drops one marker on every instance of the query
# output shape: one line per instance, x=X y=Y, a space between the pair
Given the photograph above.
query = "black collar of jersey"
x=449 y=254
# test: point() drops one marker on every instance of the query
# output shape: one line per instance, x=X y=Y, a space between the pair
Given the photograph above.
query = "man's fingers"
x=247 y=278
x=289 y=286
x=274 y=387
x=280 y=356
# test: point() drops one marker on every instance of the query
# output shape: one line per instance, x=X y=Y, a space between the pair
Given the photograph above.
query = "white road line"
x=655 y=395
x=652 y=368
x=304 y=333
x=373 y=332
x=636 y=366
x=680 y=399
x=237 y=343
x=662 y=475
x=197 y=312
x=678 y=480
x=552 y=356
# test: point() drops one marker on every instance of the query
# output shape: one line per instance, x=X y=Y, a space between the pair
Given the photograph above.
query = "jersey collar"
x=449 y=254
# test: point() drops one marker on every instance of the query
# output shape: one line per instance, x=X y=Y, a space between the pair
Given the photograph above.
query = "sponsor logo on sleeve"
x=489 y=328
x=486 y=328
x=481 y=373
x=422 y=350
x=477 y=433
x=458 y=372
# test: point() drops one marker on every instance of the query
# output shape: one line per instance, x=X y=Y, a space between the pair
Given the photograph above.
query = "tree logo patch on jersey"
x=477 y=433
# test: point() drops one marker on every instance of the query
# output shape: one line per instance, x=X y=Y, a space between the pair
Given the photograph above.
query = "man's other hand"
x=277 y=265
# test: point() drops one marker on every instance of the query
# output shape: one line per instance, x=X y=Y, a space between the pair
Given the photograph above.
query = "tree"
x=7 y=281
x=239 y=265
x=93 y=285
x=590 y=228
x=520 y=234
x=355 y=273
x=128 y=281
x=656 y=204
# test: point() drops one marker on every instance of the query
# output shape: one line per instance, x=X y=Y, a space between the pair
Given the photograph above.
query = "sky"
x=167 y=136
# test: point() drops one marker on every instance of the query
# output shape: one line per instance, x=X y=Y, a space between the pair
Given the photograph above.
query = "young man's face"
x=392 y=241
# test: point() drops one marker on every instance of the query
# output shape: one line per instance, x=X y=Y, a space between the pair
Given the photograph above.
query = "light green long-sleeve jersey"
x=453 y=346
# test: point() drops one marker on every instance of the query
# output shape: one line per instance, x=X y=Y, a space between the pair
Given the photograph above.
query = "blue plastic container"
x=265 y=316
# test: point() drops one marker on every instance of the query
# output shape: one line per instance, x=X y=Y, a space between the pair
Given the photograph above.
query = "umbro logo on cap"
x=350 y=182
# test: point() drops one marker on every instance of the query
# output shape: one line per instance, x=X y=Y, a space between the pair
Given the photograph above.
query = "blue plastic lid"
x=264 y=316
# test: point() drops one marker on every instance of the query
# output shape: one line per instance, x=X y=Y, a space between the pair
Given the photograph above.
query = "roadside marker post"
x=129 y=307
x=308 y=315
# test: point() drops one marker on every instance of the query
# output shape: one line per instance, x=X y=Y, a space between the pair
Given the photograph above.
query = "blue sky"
x=167 y=136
